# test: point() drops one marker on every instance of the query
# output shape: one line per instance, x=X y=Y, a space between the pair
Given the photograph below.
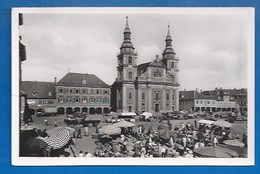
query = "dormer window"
x=84 y=82
x=34 y=93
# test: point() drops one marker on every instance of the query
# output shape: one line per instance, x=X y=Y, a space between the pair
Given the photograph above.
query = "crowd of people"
x=180 y=142
x=162 y=141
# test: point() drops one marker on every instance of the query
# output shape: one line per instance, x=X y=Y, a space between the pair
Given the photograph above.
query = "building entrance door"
x=172 y=107
x=129 y=108
x=157 y=108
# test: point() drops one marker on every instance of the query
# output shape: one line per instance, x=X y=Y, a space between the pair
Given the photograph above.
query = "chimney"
x=201 y=91
x=55 y=80
x=196 y=89
x=184 y=89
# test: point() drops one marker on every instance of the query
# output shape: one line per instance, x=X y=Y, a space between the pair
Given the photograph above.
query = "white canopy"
x=147 y=115
x=208 y=122
x=128 y=114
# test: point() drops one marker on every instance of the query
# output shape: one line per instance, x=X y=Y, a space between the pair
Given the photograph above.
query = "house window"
x=130 y=75
x=173 y=96
x=130 y=96
x=105 y=92
x=197 y=102
x=97 y=91
x=208 y=102
x=167 y=97
x=143 y=96
x=60 y=90
x=83 y=91
x=130 y=61
x=84 y=100
x=76 y=91
x=77 y=100
x=71 y=91
x=143 y=104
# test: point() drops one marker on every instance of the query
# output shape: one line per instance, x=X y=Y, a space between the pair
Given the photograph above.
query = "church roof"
x=38 y=90
x=155 y=63
x=143 y=67
x=82 y=80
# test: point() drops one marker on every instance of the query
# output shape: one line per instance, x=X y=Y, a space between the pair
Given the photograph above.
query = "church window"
x=167 y=97
x=172 y=64
x=130 y=75
x=156 y=96
x=143 y=96
x=157 y=73
x=130 y=60
x=130 y=96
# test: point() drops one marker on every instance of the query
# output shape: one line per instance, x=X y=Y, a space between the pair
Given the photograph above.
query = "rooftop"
x=82 y=80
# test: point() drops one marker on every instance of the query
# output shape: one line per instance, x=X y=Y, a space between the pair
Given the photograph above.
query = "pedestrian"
x=45 y=122
x=81 y=154
x=60 y=122
x=88 y=155
x=215 y=141
x=195 y=123
x=55 y=123
x=86 y=133
x=79 y=133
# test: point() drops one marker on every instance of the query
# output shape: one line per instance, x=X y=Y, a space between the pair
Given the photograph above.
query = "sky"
x=212 y=48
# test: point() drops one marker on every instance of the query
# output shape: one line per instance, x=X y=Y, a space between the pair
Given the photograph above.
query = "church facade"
x=152 y=86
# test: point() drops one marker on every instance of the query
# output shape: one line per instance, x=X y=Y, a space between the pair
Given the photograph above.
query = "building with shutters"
x=151 y=86
x=87 y=93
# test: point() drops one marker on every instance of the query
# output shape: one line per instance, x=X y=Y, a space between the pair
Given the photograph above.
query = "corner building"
x=151 y=86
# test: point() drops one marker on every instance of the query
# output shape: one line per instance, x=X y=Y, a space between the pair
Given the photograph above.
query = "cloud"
x=211 y=48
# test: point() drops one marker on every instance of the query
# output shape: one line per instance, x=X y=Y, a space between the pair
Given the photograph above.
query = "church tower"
x=171 y=63
x=169 y=58
x=127 y=72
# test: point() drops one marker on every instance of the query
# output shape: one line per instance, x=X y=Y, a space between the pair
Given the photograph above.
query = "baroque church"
x=152 y=86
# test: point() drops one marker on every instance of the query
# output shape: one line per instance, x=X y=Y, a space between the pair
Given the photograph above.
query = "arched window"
x=172 y=64
x=130 y=60
x=130 y=75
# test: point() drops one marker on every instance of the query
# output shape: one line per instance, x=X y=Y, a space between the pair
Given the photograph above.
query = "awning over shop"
x=208 y=122
x=128 y=114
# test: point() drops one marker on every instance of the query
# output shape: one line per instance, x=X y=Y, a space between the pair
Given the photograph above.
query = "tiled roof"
x=82 y=80
x=38 y=90
x=191 y=95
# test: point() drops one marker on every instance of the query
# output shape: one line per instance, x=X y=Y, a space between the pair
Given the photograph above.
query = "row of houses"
x=87 y=93
x=214 y=100
x=74 y=92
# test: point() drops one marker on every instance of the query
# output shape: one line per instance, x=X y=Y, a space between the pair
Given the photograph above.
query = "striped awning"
x=58 y=140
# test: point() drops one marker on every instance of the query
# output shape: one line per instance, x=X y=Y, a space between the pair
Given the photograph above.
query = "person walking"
x=195 y=123
x=55 y=123
x=79 y=133
x=86 y=133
